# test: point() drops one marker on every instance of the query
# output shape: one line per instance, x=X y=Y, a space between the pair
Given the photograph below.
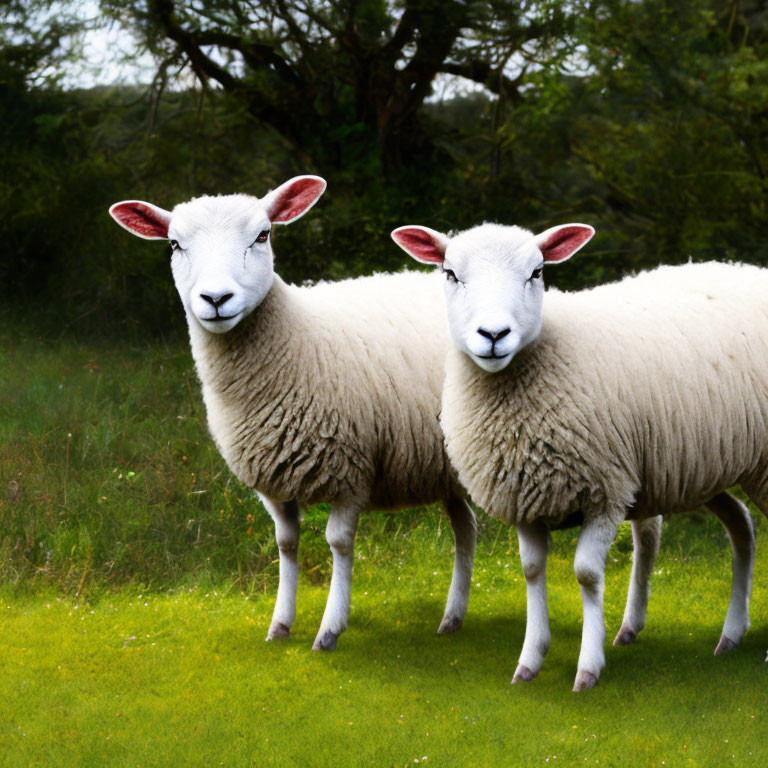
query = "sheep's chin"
x=220 y=326
x=493 y=364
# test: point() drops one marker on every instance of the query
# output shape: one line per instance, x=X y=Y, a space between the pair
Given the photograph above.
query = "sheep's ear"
x=560 y=243
x=422 y=243
x=293 y=199
x=142 y=219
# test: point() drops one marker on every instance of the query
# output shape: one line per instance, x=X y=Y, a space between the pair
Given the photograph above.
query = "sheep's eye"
x=450 y=276
x=175 y=245
x=536 y=273
x=263 y=236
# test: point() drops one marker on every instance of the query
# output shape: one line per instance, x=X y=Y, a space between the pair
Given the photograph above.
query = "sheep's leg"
x=756 y=487
x=595 y=540
x=340 y=533
x=465 y=533
x=286 y=517
x=735 y=517
x=646 y=537
x=533 y=541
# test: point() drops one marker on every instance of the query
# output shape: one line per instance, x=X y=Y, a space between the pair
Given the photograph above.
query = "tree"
x=343 y=80
x=660 y=139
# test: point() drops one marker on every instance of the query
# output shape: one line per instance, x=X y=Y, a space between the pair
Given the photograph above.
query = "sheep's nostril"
x=493 y=335
x=217 y=299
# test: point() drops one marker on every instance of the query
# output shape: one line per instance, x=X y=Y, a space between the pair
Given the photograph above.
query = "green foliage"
x=645 y=119
x=659 y=142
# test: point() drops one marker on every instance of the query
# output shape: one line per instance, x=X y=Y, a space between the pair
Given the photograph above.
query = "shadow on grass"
x=485 y=651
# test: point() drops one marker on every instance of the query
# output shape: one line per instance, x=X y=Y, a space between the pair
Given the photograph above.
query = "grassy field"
x=137 y=583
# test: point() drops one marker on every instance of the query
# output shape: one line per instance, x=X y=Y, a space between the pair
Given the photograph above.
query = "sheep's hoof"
x=584 y=680
x=523 y=674
x=725 y=644
x=326 y=643
x=277 y=631
x=626 y=636
x=449 y=624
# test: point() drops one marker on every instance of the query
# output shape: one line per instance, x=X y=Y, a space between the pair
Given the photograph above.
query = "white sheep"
x=323 y=393
x=632 y=399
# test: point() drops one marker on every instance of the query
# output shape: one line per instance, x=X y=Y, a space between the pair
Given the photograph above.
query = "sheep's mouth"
x=493 y=357
x=218 y=318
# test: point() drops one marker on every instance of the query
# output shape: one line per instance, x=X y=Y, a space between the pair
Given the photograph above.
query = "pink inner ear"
x=564 y=241
x=420 y=245
x=142 y=219
x=296 y=199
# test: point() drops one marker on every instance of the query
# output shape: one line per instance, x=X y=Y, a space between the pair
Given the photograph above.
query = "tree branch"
x=402 y=35
x=481 y=72
x=203 y=66
x=255 y=54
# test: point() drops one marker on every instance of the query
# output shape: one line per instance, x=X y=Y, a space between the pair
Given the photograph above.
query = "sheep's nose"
x=216 y=299
x=493 y=335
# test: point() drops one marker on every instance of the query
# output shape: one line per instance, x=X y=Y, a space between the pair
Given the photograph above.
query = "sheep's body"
x=317 y=393
x=315 y=397
x=648 y=395
x=641 y=397
x=620 y=402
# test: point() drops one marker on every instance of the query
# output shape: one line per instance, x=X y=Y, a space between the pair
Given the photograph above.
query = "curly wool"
x=315 y=396
x=641 y=397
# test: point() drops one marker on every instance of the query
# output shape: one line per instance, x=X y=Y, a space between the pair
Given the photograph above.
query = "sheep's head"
x=221 y=256
x=494 y=285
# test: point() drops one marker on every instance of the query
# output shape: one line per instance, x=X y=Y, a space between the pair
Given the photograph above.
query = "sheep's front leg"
x=286 y=517
x=646 y=537
x=340 y=533
x=735 y=517
x=595 y=540
x=533 y=540
x=465 y=533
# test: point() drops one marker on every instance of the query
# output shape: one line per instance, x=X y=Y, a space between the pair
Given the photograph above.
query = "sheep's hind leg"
x=340 y=533
x=595 y=540
x=735 y=517
x=465 y=533
x=286 y=517
x=646 y=537
x=533 y=540
x=756 y=487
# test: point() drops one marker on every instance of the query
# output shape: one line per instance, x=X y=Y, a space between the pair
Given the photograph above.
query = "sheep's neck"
x=260 y=349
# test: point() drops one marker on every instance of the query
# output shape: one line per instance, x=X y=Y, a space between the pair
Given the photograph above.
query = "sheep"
x=628 y=400
x=314 y=393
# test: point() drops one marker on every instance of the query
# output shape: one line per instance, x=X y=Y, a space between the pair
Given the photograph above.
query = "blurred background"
x=645 y=118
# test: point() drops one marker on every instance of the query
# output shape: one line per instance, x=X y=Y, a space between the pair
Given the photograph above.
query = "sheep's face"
x=221 y=258
x=494 y=286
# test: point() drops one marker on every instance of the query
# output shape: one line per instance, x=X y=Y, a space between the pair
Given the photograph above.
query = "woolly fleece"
x=332 y=392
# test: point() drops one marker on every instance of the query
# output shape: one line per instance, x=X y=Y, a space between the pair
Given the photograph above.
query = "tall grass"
x=108 y=475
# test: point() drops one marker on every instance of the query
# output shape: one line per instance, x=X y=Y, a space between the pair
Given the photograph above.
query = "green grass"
x=133 y=611
x=184 y=677
x=107 y=473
